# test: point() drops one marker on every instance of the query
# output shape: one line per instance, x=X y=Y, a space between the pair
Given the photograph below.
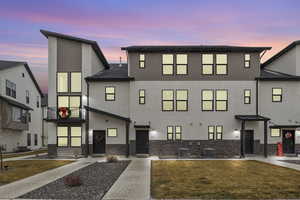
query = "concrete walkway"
x=134 y=182
x=24 y=157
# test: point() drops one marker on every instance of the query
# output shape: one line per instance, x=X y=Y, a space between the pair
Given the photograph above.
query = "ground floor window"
x=275 y=132
x=35 y=139
x=112 y=132
x=69 y=136
x=174 y=132
x=28 y=139
x=215 y=132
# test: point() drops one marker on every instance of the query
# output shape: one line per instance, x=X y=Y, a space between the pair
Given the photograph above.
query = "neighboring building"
x=165 y=99
x=20 y=107
x=44 y=105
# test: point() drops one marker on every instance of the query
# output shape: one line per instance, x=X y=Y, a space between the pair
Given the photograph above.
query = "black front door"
x=142 y=141
x=99 y=142
x=249 y=141
x=288 y=141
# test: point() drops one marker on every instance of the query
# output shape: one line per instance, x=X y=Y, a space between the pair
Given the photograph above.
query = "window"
x=23 y=75
x=27 y=97
x=110 y=93
x=28 y=139
x=170 y=132
x=178 y=132
x=207 y=100
x=142 y=96
x=76 y=136
x=112 y=132
x=181 y=64
x=167 y=100
x=211 y=132
x=221 y=64
x=207 y=64
x=75 y=81
x=181 y=100
x=29 y=117
x=72 y=102
x=247 y=61
x=247 y=96
x=167 y=64
x=10 y=89
x=276 y=95
x=62 y=136
x=37 y=101
x=142 y=61
x=219 y=132
x=62 y=82
x=221 y=100
x=275 y=132
x=16 y=114
x=35 y=139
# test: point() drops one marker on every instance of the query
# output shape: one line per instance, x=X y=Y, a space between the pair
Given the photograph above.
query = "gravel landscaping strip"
x=291 y=161
x=97 y=179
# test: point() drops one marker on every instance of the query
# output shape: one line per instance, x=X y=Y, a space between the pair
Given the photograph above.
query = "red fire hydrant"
x=279 y=149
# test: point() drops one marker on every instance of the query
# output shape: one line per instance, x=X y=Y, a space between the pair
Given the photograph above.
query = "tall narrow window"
x=16 y=114
x=110 y=93
x=247 y=96
x=207 y=64
x=167 y=100
x=75 y=106
x=76 y=82
x=207 y=100
x=181 y=100
x=10 y=89
x=178 y=132
x=219 y=132
x=221 y=64
x=112 y=132
x=170 y=132
x=35 y=139
x=27 y=97
x=28 y=139
x=142 y=61
x=37 y=101
x=62 y=136
x=181 y=64
x=62 y=82
x=167 y=64
x=221 y=100
x=76 y=136
x=142 y=96
x=247 y=60
x=211 y=132
x=276 y=95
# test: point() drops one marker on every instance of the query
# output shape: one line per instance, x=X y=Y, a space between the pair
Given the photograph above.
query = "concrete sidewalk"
x=275 y=160
x=134 y=182
x=24 y=157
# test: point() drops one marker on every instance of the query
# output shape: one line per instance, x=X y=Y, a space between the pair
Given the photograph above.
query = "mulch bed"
x=291 y=161
x=97 y=179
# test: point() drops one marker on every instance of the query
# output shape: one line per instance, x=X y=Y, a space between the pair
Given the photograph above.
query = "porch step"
x=142 y=155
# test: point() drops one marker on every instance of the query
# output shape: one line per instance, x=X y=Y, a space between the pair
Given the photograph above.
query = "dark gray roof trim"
x=284 y=126
x=15 y=103
x=116 y=72
x=195 y=48
x=271 y=75
x=107 y=113
x=251 y=117
x=91 y=42
x=280 y=53
x=5 y=64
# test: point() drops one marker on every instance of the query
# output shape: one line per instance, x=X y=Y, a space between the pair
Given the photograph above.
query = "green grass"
x=223 y=179
x=20 y=169
x=13 y=155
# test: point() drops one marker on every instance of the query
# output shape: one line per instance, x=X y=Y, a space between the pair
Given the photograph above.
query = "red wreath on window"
x=288 y=135
x=64 y=112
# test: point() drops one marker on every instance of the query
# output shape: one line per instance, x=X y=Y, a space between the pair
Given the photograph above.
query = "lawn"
x=12 y=155
x=20 y=169
x=223 y=179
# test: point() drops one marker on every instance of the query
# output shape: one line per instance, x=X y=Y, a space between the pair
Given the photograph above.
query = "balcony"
x=66 y=115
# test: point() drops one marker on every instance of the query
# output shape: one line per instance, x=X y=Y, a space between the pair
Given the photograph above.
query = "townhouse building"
x=20 y=107
x=163 y=100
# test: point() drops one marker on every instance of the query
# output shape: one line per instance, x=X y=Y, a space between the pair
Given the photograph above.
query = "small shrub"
x=111 y=159
x=72 y=181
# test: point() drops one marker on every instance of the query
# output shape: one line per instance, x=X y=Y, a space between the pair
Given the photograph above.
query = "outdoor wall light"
x=84 y=99
x=297 y=131
x=236 y=131
x=153 y=132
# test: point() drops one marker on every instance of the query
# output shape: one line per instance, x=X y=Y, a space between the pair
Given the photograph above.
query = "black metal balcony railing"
x=55 y=113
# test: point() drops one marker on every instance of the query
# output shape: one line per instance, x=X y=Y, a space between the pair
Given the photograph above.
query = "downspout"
x=87 y=124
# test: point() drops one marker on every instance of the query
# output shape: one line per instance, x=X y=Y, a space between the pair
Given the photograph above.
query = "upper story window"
x=62 y=82
x=16 y=114
x=221 y=64
x=207 y=64
x=72 y=102
x=207 y=100
x=221 y=100
x=10 y=89
x=181 y=64
x=27 y=97
x=247 y=96
x=181 y=100
x=276 y=94
x=75 y=81
x=247 y=60
x=142 y=96
x=167 y=100
x=142 y=61
x=37 y=101
x=167 y=64
x=110 y=93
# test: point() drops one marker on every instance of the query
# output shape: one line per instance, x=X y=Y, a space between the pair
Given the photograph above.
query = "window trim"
x=172 y=133
x=175 y=133
x=275 y=136
x=107 y=131
x=245 y=61
x=212 y=65
x=217 y=133
x=216 y=64
x=142 y=61
x=213 y=100
x=187 y=100
x=162 y=68
x=70 y=82
x=162 y=100
x=209 y=133
x=245 y=97
x=186 y=65
x=277 y=95
x=221 y=100
x=142 y=97
x=69 y=137
x=114 y=94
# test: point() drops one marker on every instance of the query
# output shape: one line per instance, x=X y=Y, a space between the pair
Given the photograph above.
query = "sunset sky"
x=116 y=23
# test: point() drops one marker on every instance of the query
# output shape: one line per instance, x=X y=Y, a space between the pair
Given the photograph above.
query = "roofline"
x=91 y=79
x=15 y=103
x=107 y=113
x=280 y=53
x=77 y=39
x=278 y=79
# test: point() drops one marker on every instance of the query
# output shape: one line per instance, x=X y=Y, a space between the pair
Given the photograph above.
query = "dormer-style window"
x=207 y=64
x=276 y=94
x=62 y=82
x=247 y=61
x=181 y=64
x=142 y=61
x=221 y=64
x=167 y=64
